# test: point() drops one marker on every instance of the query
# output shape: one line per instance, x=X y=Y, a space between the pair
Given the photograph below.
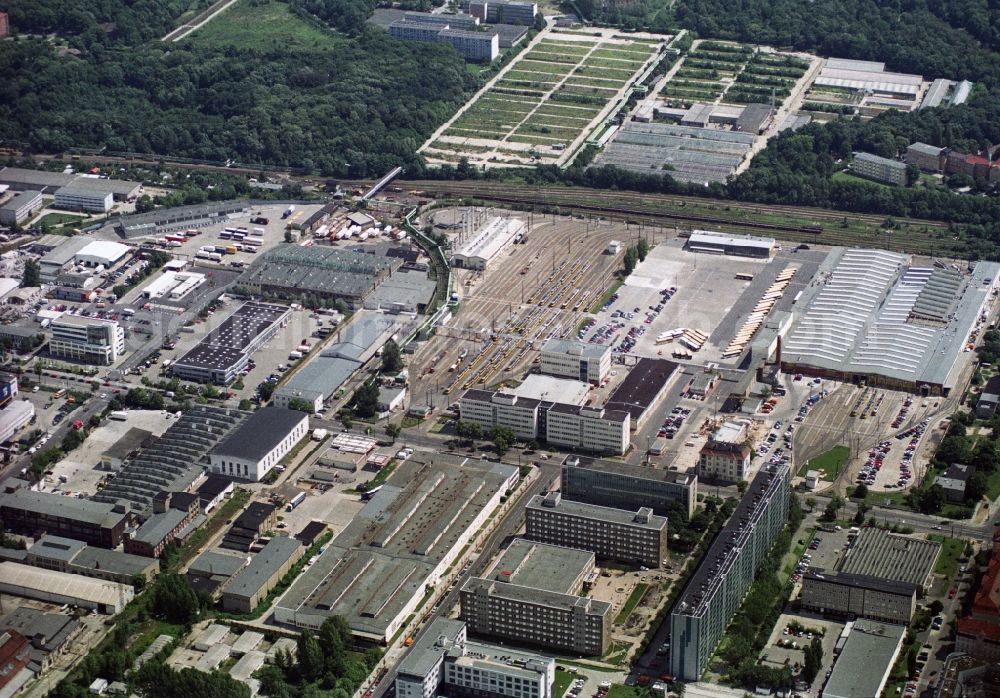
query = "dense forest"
x=356 y=106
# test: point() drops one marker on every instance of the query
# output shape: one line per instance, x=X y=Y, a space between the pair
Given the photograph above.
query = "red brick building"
x=4 y=24
x=979 y=631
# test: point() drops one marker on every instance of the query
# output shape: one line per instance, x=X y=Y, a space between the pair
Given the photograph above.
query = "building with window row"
x=628 y=536
x=74 y=198
x=623 y=486
x=445 y=661
x=715 y=591
x=853 y=596
x=20 y=207
x=504 y=11
x=89 y=340
x=532 y=596
x=878 y=168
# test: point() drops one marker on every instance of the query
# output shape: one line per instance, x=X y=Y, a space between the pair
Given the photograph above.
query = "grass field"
x=633 y=600
x=55 y=219
x=561 y=683
x=848 y=177
x=951 y=550
x=829 y=464
x=267 y=25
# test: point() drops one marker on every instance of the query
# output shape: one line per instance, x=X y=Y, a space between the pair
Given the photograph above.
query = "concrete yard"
x=81 y=466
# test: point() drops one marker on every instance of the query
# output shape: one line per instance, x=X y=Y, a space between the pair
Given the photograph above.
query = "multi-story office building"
x=716 y=590
x=504 y=11
x=593 y=429
x=531 y=596
x=560 y=424
x=629 y=536
x=624 y=486
x=471 y=45
x=20 y=207
x=879 y=168
x=858 y=596
x=726 y=454
x=590 y=363
x=79 y=199
x=445 y=657
x=90 y=340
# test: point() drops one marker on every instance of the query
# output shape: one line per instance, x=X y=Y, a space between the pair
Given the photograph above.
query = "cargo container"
x=203 y=254
x=259 y=232
x=215 y=257
x=319 y=434
x=296 y=500
x=231 y=249
x=295 y=355
x=118 y=415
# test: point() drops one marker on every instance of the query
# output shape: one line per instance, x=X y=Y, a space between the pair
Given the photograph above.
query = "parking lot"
x=789 y=638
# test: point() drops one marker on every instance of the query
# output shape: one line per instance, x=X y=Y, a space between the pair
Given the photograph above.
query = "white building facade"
x=91 y=341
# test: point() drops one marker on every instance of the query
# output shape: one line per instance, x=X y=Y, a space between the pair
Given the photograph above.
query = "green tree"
x=832 y=508
x=930 y=500
x=32 y=274
x=642 y=249
x=288 y=235
x=366 y=400
x=976 y=487
x=392 y=361
x=73 y=439
x=631 y=259
x=310 y=656
x=266 y=389
x=393 y=430
x=813 y=660
x=173 y=598
x=139 y=581
x=503 y=439
x=860 y=492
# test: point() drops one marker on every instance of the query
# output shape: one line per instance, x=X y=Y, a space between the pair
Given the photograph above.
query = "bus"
x=60 y=393
x=250 y=242
x=175 y=238
x=226 y=234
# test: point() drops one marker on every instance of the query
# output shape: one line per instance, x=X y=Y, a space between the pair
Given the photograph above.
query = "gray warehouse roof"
x=158 y=526
x=212 y=563
x=866 y=659
x=319 y=269
x=427 y=651
x=258 y=436
x=263 y=567
x=573 y=348
x=57 y=505
x=877 y=553
x=18 y=176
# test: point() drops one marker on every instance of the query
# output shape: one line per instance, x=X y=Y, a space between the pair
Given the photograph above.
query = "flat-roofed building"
x=858 y=596
x=725 y=456
x=90 y=340
x=730 y=244
x=643 y=389
x=475 y=250
x=375 y=572
x=259 y=444
x=879 y=168
x=532 y=596
x=20 y=207
x=590 y=363
x=211 y=570
x=445 y=661
x=222 y=355
x=73 y=198
x=624 y=486
x=593 y=429
x=250 y=586
x=252 y=523
x=504 y=11
x=929 y=158
x=862 y=669
x=33 y=513
x=716 y=589
x=615 y=534
x=14 y=417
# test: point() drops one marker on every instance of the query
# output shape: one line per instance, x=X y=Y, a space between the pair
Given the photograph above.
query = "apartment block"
x=590 y=363
x=89 y=340
x=879 y=168
x=716 y=589
x=532 y=596
x=628 y=536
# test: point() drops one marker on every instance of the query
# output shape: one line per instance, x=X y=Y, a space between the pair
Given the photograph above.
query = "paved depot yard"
x=80 y=467
x=709 y=297
x=775 y=656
